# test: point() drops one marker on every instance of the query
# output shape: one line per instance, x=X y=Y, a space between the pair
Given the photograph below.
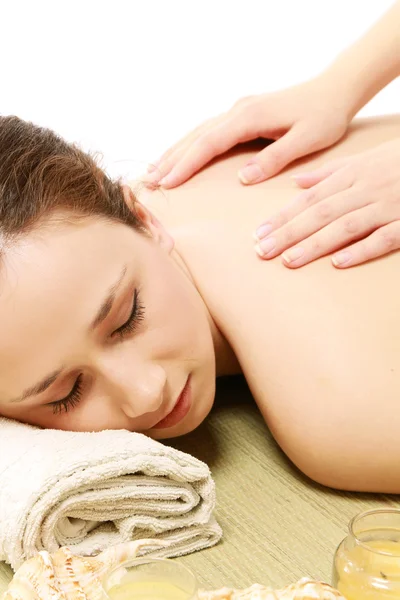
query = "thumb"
x=270 y=161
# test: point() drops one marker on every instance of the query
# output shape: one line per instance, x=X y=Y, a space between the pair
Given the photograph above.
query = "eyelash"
x=69 y=401
x=136 y=317
x=73 y=398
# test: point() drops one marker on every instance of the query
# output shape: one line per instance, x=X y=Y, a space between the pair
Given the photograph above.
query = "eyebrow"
x=101 y=315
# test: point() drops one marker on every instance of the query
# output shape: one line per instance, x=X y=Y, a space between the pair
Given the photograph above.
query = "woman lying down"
x=118 y=310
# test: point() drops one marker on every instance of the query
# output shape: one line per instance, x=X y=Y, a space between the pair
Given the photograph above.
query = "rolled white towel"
x=93 y=490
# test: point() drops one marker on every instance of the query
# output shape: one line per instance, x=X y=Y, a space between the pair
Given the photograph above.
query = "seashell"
x=305 y=589
x=66 y=576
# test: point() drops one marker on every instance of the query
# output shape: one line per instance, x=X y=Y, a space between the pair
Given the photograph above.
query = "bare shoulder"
x=215 y=193
x=320 y=348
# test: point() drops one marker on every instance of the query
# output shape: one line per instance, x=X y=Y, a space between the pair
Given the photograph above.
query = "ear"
x=148 y=220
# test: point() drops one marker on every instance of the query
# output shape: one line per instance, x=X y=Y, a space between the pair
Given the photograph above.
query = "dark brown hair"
x=40 y=173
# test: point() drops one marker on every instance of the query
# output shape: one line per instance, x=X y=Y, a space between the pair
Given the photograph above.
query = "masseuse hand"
x=352 y=198
x=302 y=119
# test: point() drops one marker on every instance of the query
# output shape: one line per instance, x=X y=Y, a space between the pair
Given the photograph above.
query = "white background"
x=128 y=78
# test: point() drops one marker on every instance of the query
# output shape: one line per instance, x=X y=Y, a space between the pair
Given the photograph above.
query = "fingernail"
x=259 y=251
x=300 y=176
x=295 y=180
x=264 y=247
x=152 y=166
x=250 y=174
x=341 y=258
x=292 y=254
x=262 y=231
x=151 y=177
x=167 y=180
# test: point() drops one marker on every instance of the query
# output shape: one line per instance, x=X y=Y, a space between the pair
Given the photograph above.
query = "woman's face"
x=117 y=315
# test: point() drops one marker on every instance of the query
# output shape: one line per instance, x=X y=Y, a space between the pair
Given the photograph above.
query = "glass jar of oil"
x=150 y=579
x=367 y=562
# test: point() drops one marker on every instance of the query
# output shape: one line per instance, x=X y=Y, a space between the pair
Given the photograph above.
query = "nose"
x=137 y=386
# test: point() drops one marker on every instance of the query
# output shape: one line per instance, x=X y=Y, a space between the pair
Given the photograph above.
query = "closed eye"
x=134 y=319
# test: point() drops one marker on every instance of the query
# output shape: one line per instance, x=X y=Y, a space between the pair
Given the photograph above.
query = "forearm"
x=365 y=68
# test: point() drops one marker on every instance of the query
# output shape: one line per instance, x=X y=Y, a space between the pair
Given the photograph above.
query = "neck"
x=226 y=362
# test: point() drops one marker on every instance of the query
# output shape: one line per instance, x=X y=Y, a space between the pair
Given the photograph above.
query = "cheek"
x=94 y=414
x=8 y=411
x=177 y=313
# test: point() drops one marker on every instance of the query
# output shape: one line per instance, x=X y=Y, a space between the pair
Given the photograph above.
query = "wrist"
x=338 y=91
x=367 y=66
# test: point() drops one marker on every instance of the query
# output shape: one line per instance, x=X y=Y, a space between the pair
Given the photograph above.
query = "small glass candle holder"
x=367 y=562
x=150 y=579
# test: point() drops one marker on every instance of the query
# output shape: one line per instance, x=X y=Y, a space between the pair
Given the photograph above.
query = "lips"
x=180 y=409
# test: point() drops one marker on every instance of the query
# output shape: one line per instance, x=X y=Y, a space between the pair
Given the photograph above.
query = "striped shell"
x=65 y=576
x=305 y=589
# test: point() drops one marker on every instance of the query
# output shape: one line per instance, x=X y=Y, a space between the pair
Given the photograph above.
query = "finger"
x=152 y=166
x=382 y=241
x=329 y=189
x=352 y=226
x=185 y=139
x=218 y=139
x=164 y=165
x=306 y=180
x=240 y=105
x=311 y=221
x=175 y=157
x=270 y=161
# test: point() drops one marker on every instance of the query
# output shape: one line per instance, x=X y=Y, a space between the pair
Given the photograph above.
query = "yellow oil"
x=379 y=577
x=148 y=590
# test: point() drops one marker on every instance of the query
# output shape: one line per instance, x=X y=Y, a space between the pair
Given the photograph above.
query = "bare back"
x=319 y=347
